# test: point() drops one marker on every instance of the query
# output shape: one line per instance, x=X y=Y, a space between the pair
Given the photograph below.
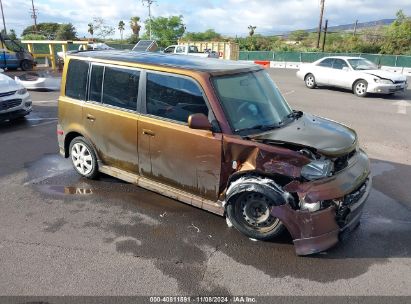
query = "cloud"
x=229 y=17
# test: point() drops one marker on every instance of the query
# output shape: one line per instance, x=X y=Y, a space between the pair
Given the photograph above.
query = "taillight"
x=60 y=132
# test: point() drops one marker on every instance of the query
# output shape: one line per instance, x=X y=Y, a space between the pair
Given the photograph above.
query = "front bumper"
x=15 y=106
x=314 y=232
x=387 y=88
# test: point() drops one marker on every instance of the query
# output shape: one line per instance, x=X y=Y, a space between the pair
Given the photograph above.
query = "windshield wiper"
x=294 y=114
x=259 y=127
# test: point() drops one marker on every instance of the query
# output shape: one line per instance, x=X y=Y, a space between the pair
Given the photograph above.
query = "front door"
x=110 y=115
x=169 y=151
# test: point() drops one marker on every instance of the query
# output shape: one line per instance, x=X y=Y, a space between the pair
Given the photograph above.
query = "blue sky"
x=230 y=17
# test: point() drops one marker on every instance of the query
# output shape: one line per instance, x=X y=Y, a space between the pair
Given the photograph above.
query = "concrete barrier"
x=398 y=70
x=406 y=71
x=292 y=65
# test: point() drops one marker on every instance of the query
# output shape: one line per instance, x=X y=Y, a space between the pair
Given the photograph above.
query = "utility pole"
x=4 y=21
x=34 y=15
x=325 y=34
x=355 y=27
x=149 y=3
x=320 y=23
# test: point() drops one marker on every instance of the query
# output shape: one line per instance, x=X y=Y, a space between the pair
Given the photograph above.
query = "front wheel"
x=83 y=158
x=26 y=65
x=250 y=214
x=310 y=81
x=360 y=88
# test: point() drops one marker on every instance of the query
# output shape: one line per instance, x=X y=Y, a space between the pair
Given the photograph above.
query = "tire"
x=310 y=81
x=26 y=65
x=83 y=158
x=360 y=88
x=249 y=213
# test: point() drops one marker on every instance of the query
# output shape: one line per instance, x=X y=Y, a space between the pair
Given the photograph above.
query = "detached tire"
x=83 y=158
x=26 y=65
x=250 y=214
x=310 y=81
x=360 y=88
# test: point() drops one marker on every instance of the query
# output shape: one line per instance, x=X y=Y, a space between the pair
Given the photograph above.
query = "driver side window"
x=173 y=98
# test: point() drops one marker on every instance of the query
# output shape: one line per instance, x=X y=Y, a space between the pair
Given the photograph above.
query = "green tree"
x=121 y=28
x=251 y=30
x=208 y=35
x=166 y=30
x=91 y=29
x=12 y=34
x=66 y=32
x=398 y=36
x=135 y=28
x=299 y=35
x=46 y=29
x=101 y=29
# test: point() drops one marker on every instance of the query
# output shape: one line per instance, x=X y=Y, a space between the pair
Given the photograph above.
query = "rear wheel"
x=250 y=214
x=360 y=88
x=83 y=158
x=310 y=81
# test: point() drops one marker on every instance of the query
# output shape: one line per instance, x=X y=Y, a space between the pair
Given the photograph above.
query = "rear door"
x=322 y=71
x=169 y=151
x=110 y=115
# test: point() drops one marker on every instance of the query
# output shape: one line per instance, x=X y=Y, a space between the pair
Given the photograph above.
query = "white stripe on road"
x=401 y=106
x=289 y=92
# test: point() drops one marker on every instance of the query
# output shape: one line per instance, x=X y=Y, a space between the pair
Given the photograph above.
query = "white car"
x=15 y=101
x=354 y=73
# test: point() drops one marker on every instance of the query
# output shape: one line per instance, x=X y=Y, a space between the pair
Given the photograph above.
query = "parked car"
x=191 y=50
x=218 y=136
x=354 y=73
x=15 y=101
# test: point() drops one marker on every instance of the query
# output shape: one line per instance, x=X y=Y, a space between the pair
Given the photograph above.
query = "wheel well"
x=355 y=82
x=305 y=76
x=67 y=140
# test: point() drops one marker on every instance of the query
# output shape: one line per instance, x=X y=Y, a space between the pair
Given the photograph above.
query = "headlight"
x=383 y=81
x=317 y=169
x=22 y=91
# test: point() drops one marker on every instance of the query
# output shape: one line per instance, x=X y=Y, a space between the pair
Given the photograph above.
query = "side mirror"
x=199 y=121
x=346 y=69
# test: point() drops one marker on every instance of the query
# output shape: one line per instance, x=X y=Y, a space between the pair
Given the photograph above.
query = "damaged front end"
x=319 y=195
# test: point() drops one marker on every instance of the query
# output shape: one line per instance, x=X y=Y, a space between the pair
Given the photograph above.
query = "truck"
x=190 y=50
x=14 y=56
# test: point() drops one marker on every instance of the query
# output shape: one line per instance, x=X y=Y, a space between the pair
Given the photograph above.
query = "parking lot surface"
x=61 y=234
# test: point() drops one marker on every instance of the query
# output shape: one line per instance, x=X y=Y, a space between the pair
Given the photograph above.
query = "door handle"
x=91 y=117
x=148 y=132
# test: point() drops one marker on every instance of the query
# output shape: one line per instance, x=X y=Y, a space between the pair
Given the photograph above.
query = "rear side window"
x=120 y=88
x=326 y=63
x=76 y=79
x=173 y=98
x=96 y=80
x=339 y=64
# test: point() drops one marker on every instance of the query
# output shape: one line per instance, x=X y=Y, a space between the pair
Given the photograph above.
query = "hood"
x=386 y=75
x=8 y=84
x=325 y=136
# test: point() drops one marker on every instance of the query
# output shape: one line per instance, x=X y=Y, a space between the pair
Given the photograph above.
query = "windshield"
x=362 y=64
x=251 y=101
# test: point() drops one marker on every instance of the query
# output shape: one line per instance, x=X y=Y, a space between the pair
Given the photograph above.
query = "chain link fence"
x=379 y=59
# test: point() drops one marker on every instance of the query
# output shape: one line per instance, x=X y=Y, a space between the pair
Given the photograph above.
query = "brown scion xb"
x=217 y=135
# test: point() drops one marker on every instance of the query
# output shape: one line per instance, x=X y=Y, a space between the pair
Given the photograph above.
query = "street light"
x=149 y=3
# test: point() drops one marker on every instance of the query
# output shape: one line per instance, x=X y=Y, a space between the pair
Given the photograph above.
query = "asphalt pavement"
x=61 y=234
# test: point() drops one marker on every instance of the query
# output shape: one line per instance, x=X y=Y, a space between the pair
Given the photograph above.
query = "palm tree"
x=251 y=29
x=121 y=28
x=91 y=29
x=135 y=27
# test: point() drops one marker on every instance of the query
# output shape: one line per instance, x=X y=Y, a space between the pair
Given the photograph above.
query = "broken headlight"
x=317 y=169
